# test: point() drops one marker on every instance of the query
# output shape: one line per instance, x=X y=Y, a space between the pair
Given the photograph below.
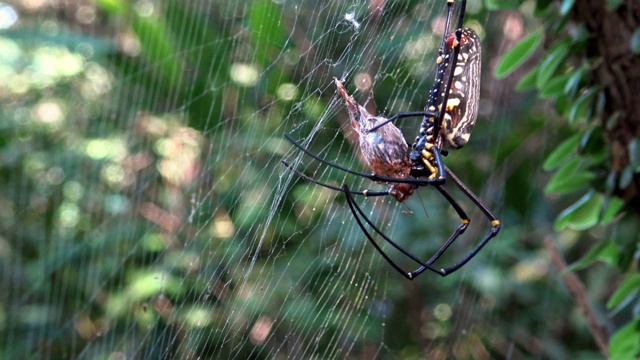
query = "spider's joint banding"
x=495 y=223
x=466 y=221
x=432 y=169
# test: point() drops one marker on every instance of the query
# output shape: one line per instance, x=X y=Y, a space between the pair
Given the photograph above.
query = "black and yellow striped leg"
x=493 y=231
x=357 y=213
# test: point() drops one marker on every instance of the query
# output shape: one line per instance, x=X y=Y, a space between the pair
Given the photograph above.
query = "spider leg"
x=450 y=62
x=421 y=182
x=365 y=193
x=357 y=213
x=464 y=219
x=495 y=224
x=461 y=16
x=404 y=115
x=450 y=8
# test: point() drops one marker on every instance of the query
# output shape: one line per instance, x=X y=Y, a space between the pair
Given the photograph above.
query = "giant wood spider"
x=448 y=119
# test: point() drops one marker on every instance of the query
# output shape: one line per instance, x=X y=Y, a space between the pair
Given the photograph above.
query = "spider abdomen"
x=462 y=104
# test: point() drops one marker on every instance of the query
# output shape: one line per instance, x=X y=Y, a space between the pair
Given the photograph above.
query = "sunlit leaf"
x=624 y=343
x=112 y=6
x=629 y=288
x=582 y=215
x=513 y=58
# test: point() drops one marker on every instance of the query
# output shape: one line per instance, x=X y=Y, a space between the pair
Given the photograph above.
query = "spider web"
x=150 y=216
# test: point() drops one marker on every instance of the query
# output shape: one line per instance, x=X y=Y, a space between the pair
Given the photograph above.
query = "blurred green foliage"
x=584 y=164
x=144 y=212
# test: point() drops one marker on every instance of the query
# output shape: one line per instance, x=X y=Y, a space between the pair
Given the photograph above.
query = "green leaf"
x=635 y=42
x=561 y=153
x=624 y=343
x=573 y=85
x=571 y=176
x=592 y=145
x=554 y=58
x=611 y=210
x=556 y=86
x=541 y=7
x=528 y=81
x=604 y=247
x=629 y=287
x=582 y=215
x=513 y=58
x=112 y=7
x=579 y=108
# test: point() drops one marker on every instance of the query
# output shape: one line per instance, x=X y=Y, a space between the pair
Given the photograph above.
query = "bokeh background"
x=144 y=211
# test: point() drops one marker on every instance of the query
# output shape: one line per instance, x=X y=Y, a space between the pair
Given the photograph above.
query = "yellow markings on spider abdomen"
x=452 y=104
x=464 y=95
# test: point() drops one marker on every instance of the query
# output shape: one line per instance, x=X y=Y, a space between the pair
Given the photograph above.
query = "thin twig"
x=599 y=333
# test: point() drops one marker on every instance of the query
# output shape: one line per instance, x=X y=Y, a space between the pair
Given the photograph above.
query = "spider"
x=448 y=119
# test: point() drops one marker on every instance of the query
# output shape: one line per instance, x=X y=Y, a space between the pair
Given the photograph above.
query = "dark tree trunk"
x=617 y=71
